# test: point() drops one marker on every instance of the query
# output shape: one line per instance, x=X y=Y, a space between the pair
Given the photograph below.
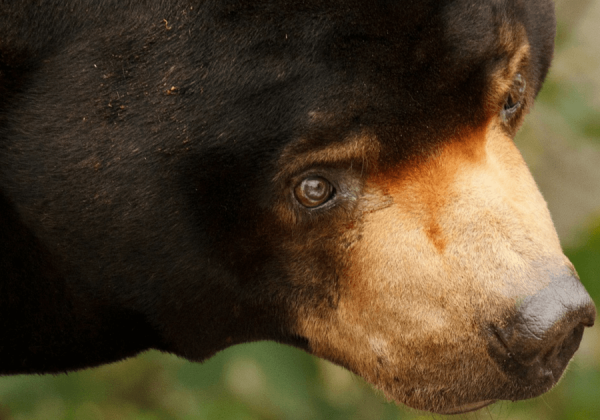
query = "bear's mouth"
x=466 y=408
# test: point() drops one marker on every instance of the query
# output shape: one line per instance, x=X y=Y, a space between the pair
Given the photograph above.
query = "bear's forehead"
x=412 y=72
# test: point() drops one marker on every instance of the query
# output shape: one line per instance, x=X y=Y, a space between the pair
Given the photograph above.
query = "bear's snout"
x=535 y=344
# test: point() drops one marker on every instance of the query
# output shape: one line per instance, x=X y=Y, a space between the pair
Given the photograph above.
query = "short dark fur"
x=148 y=134
x=140 y=154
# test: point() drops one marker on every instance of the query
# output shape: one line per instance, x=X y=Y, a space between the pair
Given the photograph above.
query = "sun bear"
x=338 y=176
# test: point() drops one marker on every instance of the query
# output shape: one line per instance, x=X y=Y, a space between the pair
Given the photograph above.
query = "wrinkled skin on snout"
x=337 y=176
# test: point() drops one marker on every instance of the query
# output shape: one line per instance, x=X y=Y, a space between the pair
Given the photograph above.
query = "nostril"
x=589 y=316
x=535 y=363
x=570 y=344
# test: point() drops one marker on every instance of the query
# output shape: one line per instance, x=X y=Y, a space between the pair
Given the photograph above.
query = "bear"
x=338 y=176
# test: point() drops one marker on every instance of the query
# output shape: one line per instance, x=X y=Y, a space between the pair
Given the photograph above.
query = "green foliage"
x=254 y=381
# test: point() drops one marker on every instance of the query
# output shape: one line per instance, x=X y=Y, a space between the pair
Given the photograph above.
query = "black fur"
x=140 y=143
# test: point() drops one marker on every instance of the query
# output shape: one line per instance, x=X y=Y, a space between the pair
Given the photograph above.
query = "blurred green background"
x=561 y=143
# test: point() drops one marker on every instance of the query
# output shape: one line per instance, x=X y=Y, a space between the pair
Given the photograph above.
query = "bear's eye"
x=313 y=191
x=515 y=98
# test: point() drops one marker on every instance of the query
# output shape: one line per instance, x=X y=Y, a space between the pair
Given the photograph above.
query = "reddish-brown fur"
x=444 y=246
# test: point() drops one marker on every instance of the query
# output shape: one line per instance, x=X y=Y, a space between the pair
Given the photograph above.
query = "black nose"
x=539 y=339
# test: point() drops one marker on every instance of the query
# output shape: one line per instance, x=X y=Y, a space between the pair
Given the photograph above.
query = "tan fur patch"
x=454 y=247
x=426 y=186
x=361 y=147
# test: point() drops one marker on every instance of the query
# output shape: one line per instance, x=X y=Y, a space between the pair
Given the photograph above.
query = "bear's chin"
x=466 y=408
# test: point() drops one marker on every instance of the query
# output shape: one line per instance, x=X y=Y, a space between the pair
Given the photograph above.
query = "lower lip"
x=468 y=407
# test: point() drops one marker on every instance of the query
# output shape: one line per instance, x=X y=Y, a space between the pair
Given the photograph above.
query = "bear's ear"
x=541 y=30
